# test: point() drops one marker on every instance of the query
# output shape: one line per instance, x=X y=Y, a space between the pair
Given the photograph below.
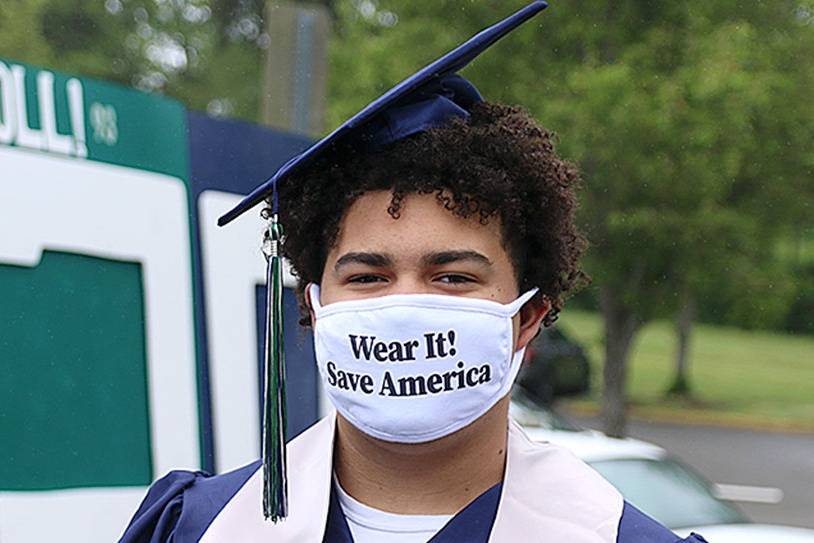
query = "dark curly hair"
x=500 y=162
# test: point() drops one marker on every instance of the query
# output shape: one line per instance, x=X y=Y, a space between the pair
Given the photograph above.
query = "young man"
x=432 y=236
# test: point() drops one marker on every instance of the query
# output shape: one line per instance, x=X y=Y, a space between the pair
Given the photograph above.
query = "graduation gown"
x=547 y=495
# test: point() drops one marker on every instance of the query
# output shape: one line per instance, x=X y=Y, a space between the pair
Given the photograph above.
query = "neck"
x=436 y=478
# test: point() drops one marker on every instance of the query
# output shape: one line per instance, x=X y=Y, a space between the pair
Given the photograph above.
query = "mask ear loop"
x=515 y=306
x=275 y=479
x=313 y=298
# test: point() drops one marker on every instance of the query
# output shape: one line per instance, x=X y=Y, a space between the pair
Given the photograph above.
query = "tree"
x=207 y=54
x=773 y=185
x=666 y=131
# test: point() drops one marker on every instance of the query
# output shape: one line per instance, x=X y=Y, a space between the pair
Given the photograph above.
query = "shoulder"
x=180 y=506
x=636 y=527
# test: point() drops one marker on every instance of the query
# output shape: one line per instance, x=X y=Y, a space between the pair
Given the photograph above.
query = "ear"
x=531 y=318
x=307 y=298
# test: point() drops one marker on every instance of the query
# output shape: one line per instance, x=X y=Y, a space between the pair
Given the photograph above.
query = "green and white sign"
x=97 y=346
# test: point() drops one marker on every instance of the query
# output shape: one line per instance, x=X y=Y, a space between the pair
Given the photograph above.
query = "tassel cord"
x=275 y=484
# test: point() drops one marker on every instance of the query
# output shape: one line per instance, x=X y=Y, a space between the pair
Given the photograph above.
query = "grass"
x=740 y=378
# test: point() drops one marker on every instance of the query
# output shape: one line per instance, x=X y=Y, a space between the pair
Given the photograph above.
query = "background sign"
x=129 y=335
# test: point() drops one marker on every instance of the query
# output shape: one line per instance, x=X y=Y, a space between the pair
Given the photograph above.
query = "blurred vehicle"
x=554 y=366
x=646 y=475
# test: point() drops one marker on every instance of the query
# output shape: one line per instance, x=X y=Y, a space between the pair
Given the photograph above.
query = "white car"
x=650 y=479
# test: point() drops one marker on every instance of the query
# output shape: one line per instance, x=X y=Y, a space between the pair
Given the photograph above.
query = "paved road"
x=745 y=457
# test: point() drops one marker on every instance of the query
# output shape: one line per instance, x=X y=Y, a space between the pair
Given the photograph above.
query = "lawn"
x=744 y=378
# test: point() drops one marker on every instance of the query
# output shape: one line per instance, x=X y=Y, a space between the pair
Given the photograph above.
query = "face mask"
x=411 y=368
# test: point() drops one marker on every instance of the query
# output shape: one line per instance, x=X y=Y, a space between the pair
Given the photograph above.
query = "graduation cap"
x=427 y=99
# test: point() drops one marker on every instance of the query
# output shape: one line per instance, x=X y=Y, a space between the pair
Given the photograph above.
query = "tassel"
x=275 y=481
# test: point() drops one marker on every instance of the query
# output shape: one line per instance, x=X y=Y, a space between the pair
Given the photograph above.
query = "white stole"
x=548 y=494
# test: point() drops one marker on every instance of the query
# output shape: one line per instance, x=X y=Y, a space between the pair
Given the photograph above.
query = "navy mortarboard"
x=426 y=99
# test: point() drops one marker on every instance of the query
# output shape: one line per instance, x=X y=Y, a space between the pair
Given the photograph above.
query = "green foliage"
x=20 y=37
x=207 y=54
x=691 y=121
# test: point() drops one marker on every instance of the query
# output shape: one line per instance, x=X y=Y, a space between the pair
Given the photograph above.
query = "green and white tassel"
x=275 y=480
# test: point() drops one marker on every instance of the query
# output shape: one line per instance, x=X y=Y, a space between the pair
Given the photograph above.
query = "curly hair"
x=500 y=162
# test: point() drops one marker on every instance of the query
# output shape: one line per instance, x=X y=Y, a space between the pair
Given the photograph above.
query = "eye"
x=455 y=278
x=365 y=279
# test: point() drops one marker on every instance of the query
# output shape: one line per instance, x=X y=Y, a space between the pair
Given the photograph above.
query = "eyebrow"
x=440 y=258
x=376 y=260
x=449 y=257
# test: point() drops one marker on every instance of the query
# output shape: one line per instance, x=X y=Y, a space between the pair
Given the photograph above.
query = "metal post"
x=295 y=74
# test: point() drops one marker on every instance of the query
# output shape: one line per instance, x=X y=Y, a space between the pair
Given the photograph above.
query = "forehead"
x=423 y=226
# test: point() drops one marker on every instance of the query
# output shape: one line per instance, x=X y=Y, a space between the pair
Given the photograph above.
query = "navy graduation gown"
x=180 y=507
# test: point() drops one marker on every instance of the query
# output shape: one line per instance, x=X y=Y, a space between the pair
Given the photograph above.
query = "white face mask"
x=410 y=368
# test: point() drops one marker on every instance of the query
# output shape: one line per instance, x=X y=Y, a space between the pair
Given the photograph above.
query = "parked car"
x=554 y=366
x=649 y=478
